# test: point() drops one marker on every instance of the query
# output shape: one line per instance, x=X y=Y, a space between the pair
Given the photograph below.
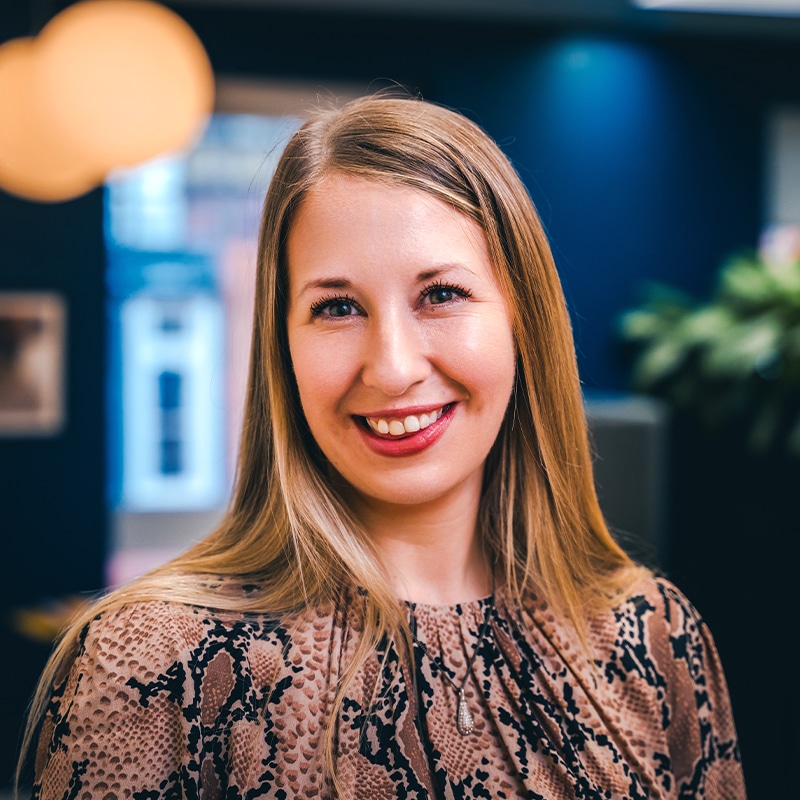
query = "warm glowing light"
x=106 y=84
x=125 y=80
x=35 y=162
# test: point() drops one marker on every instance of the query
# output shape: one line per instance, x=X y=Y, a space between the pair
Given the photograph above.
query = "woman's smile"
x=400 y=423
x=406 y=435
x=400 y=339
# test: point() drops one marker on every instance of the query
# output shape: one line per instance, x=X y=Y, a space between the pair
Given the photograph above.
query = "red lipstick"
x=410 y=443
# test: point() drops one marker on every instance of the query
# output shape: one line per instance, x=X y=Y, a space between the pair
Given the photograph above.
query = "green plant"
x=735 y=358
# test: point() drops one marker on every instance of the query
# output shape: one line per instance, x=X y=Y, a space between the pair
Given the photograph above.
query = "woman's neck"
x=433 y=552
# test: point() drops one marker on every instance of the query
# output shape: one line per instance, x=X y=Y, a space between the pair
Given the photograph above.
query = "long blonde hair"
x=286 y=524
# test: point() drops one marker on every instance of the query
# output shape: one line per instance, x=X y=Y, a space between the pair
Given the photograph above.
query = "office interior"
x=655 y=144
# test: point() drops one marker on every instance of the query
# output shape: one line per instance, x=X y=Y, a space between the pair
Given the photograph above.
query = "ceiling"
x=619 y=14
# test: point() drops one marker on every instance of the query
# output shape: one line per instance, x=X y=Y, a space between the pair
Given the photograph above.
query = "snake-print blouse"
x=170 y=701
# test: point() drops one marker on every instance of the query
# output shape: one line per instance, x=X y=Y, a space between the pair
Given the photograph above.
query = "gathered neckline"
x=452 y=608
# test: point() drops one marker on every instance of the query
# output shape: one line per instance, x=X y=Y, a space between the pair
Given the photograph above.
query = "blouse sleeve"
x=116 y=723
x=696 y=712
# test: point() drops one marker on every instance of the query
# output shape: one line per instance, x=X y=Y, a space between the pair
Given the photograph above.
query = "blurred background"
x=662 y=149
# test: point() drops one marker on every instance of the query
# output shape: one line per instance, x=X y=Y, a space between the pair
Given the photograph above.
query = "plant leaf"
x=658 y=361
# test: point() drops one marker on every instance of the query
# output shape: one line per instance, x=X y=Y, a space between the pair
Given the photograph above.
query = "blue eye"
x=334 y=307
x=442 y=295
x=340 y=309
x=439 y=294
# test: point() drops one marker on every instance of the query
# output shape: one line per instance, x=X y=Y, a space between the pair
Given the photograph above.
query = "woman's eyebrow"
x=325 y=283
x=442 y=269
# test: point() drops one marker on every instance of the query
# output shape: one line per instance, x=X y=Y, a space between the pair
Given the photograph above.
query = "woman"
x=413 y=593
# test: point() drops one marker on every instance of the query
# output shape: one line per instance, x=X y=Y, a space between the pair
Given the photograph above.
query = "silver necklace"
x=465 y=721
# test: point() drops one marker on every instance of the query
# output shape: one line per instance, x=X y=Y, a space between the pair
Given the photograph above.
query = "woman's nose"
x=395 y=355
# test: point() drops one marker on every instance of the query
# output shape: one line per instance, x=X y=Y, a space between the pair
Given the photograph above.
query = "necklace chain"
x=465 y=722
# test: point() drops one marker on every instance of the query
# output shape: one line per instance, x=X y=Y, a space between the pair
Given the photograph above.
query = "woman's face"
x=400 y=340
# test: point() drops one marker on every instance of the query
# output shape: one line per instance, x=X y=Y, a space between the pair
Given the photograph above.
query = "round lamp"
x=35 y=160
x=123 y=80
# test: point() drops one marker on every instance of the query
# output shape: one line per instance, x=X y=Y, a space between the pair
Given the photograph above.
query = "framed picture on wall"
x=32 y=353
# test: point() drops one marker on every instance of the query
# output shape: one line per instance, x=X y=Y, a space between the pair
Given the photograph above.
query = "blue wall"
x=639 y=173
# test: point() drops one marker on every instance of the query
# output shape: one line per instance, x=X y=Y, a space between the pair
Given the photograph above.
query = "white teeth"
x=411 y=424
x=396 y=428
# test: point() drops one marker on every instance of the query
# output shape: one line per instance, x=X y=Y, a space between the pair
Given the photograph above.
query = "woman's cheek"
x=488 y=347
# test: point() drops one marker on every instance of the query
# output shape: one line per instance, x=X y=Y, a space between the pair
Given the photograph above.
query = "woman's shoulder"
x=151 y=635
x=142 y=624
x=653 y=608
x=657 y=606
x=656 y=593
x=657 y=634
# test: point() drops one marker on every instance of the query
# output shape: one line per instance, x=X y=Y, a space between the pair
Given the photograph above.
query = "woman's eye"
x=334 y=307
x=440 y=294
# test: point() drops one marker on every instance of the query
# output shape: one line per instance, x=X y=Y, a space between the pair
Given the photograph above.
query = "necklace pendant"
x=465 y=722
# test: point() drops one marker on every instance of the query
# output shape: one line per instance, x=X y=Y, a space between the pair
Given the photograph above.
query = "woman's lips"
x=383 y=434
